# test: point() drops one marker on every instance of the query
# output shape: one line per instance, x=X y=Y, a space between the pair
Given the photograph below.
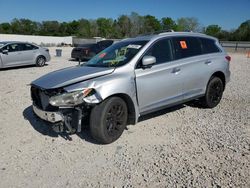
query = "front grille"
x=41 y=98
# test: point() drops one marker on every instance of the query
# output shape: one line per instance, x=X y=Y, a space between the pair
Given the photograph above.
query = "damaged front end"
x=66 y=111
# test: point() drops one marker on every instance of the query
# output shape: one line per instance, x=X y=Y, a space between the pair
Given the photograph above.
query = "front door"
x=161 y=84
x=12 y=57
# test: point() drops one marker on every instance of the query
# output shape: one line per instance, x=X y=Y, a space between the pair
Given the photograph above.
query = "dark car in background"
x=87 y=51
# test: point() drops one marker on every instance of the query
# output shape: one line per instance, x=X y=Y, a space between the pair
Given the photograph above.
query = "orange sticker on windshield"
x=183 y=44
x=102 y=55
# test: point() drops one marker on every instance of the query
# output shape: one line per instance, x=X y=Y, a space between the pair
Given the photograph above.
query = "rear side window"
x=186 y=47
x=209 y=46
x=162 y=51
x=24 y=47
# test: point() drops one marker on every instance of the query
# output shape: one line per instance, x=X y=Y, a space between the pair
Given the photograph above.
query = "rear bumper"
x=48 y=58
x=52 y=117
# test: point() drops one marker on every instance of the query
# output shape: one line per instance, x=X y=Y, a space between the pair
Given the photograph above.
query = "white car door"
x=10 y=55
x=161 y=84
x=194 y=65
x=28 y=53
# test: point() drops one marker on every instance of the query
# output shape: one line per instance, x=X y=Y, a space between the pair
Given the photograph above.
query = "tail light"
x=228 y=58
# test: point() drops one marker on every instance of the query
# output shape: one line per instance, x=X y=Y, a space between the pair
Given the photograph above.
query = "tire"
x=40 y=61
x=213 y=93
x=108 y=120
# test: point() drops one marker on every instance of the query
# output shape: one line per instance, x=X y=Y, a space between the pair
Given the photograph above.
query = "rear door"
x=193 y=64
x=27 y=53
x=161 y=84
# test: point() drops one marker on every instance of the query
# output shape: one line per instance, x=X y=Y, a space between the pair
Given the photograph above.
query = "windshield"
x=117 y=54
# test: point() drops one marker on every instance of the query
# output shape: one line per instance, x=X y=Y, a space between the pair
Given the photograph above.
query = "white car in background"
x=14 y=54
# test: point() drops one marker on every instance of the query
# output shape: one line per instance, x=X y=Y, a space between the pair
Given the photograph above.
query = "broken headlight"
x=70 y=99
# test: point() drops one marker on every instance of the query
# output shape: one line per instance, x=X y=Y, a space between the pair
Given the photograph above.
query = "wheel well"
x=41 y=56
x=131 y=108
x=220 y=75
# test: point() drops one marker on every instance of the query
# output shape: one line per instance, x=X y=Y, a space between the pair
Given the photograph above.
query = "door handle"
x=176 y=70
x=208 y=62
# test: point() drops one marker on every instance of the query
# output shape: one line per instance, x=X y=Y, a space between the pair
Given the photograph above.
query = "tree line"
x=122 y=27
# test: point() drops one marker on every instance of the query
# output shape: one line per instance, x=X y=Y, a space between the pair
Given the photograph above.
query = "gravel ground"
x=184 y=146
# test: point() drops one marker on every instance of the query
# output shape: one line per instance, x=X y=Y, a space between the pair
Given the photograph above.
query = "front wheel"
x=108 y=120
x=214 y=93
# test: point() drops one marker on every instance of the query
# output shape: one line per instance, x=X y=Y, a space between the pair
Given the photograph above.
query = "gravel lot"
x=183 y=146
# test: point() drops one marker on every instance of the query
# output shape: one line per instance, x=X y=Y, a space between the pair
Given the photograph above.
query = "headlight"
x=70 y=99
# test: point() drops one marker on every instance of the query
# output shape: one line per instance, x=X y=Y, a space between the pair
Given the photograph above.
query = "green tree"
x=123 y=26
x=137 y=23
x=168 y=23
x=24 y=26
x=188 y=24
x=213 y=30
x=151 y=24
x=72 y=28
x=50 y=28
x=63 y=29
x=243 y=32
x=93 y=28
x=225 y=35
x=5 y=28
x=105 y=27
x=84 y=28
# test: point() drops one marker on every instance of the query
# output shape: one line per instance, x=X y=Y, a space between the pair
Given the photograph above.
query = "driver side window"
x=11 y=48
x=161 y=50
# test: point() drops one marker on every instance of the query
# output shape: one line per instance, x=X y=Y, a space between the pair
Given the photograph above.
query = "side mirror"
x=148 y=61
x=5 y=52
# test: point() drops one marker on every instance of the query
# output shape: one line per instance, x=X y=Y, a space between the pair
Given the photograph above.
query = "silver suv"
x=131 y=78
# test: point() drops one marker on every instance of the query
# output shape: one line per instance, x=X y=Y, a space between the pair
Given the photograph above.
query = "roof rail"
x=165 y=31
x=157 y=32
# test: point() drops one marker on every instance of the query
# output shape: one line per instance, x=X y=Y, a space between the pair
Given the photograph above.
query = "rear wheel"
x=40 y=61
x=214 y=93
x=108 y=120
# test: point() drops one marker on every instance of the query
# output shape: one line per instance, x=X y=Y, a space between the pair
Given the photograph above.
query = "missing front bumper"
x=52 y=117
x=68 y=120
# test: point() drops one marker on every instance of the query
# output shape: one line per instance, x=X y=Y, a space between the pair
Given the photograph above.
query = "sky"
x=228 y=14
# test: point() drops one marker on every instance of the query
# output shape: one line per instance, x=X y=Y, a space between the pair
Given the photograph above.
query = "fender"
x=115 y=84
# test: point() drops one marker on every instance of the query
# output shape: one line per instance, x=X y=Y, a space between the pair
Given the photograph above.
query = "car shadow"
x=20 y=67
x=161 y=112
x=195 y=104
x=46 y=129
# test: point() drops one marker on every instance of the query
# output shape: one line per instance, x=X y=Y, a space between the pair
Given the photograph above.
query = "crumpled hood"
x=71 y=75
